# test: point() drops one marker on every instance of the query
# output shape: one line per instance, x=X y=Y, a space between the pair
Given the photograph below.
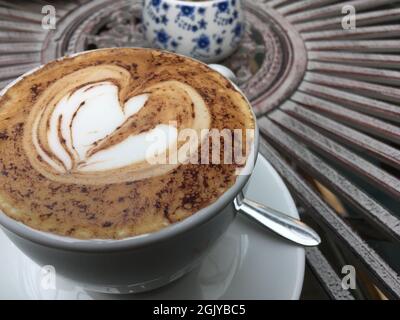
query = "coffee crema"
x=75 y=136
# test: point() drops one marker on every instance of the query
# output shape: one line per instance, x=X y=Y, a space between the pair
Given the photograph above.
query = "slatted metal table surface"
x=328 y=104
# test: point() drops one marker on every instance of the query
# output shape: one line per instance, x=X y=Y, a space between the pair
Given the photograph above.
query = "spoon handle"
x=280 y=223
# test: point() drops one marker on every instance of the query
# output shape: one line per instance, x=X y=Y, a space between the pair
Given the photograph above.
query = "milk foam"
x=87 y=128
x=90 y=114
x=121 y=155
x=75 y=132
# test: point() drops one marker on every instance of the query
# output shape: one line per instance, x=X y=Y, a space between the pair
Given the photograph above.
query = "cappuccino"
x=75 y=137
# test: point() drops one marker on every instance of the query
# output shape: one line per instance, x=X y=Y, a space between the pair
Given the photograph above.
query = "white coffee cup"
x=135 y=264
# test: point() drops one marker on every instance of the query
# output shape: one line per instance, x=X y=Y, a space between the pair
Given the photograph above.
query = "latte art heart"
x=79 y=121
x=82 y=130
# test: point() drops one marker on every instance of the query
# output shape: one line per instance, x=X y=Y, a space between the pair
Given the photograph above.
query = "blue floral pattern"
x=163 y=40
x=156 y=4
x=187 y=11
x=204 y=32
x=225 y=13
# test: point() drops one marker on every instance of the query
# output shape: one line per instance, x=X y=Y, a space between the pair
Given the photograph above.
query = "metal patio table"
x=328 y=102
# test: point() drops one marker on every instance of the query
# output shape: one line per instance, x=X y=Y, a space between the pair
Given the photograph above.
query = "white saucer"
x=247 y=263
